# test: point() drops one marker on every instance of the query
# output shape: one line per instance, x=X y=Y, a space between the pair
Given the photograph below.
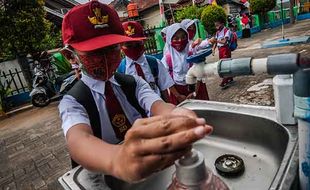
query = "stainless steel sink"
x=250 y=132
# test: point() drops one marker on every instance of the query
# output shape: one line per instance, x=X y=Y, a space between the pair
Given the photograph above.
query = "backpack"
x=233 y=41
x=153 y=64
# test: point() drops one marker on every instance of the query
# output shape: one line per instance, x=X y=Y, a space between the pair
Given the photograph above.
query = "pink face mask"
x=179 y=45
x=101 y=66
x=133 y=52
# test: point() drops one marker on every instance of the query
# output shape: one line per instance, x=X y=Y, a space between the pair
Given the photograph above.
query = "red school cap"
x=134 y=29
x=91 y=26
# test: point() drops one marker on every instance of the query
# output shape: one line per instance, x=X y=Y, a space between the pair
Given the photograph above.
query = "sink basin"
x=250 y=132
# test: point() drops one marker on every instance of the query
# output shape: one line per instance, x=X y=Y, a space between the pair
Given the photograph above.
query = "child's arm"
x=223 y=41
x=213 y=48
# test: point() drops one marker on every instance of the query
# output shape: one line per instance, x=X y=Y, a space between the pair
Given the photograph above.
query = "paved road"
x=32 y=150
x=250 y=47
x=32 y=147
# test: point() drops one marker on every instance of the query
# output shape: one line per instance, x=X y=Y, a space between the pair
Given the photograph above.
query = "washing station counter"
x=266 y=149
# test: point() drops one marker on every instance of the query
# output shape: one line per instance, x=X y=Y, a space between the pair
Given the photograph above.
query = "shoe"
x=231 y=81
x=224 y=86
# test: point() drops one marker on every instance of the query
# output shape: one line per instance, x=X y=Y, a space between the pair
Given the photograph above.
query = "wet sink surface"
x=260 y=142
x=264 y=145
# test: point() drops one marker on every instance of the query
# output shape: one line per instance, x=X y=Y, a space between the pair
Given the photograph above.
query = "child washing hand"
x=200 y=44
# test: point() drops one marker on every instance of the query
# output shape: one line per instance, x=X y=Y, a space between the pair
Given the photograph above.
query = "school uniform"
x=73 y=113
x=141 y=68
x=224 y=51
x=177 y=64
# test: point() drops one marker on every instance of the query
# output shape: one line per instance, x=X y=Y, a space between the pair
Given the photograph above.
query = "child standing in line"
x=145 y=66
x=177 y=45
x=223 y=36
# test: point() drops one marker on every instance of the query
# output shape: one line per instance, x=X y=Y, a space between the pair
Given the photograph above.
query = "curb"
x=19 y=110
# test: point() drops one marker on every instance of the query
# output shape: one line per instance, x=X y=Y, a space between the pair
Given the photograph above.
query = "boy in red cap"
x=98 y=113
x=145 y=66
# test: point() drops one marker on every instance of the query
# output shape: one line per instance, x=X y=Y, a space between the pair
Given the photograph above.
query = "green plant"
x=190 y=12
x=209 y=15
x=262 y=6
x=24 y=29
x=5 y=90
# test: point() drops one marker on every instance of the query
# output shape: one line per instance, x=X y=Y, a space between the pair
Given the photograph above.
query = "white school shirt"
x=221 y=35
x=164 y=79
x=73 y=113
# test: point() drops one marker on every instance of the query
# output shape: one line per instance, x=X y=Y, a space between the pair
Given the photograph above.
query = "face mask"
x=101 y=66
x=133 y=52
x=179 y=45
x=191 y=33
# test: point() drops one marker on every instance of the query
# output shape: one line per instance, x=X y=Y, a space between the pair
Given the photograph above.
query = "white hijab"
x=179 y=64
x=187 y=23
x=163 y=60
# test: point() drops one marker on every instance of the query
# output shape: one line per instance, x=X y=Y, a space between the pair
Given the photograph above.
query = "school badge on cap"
x=130 y=31
x=98 y=20
x=91 y=26
x=134 y=30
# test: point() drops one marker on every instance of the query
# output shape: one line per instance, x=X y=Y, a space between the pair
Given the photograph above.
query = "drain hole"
x=229 y=165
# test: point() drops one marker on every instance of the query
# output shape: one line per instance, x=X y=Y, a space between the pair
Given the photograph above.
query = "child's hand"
x=191 y=95
x=212 y=40
x=196 y=42
x=153 y=144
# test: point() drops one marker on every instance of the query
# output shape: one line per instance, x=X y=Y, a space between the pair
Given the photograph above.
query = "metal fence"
x=14 y=80
x=150 y=43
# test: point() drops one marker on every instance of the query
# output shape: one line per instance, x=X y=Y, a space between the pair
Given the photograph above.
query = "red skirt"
x=224 y=52
x=202 y=92
x=182 y=89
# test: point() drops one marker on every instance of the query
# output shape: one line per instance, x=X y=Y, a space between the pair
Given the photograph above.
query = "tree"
x=261 y=7
x=209 y=15
x=190 y=12
x=24 y=30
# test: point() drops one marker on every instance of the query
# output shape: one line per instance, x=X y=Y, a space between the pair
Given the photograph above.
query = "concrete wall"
x=11 y=66
x=5 y=66
x=151 y=17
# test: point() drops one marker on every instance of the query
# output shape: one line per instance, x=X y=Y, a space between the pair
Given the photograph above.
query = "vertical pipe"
x=282 y=19
x=302 y=113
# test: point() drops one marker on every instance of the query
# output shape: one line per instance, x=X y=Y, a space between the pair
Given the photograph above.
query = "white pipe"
x=259 y=66
x=196 y=72
x=200 y=71
x=211 y=69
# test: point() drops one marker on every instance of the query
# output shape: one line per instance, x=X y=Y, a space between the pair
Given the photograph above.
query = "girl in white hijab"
x=163 y=34
x=177 y=51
